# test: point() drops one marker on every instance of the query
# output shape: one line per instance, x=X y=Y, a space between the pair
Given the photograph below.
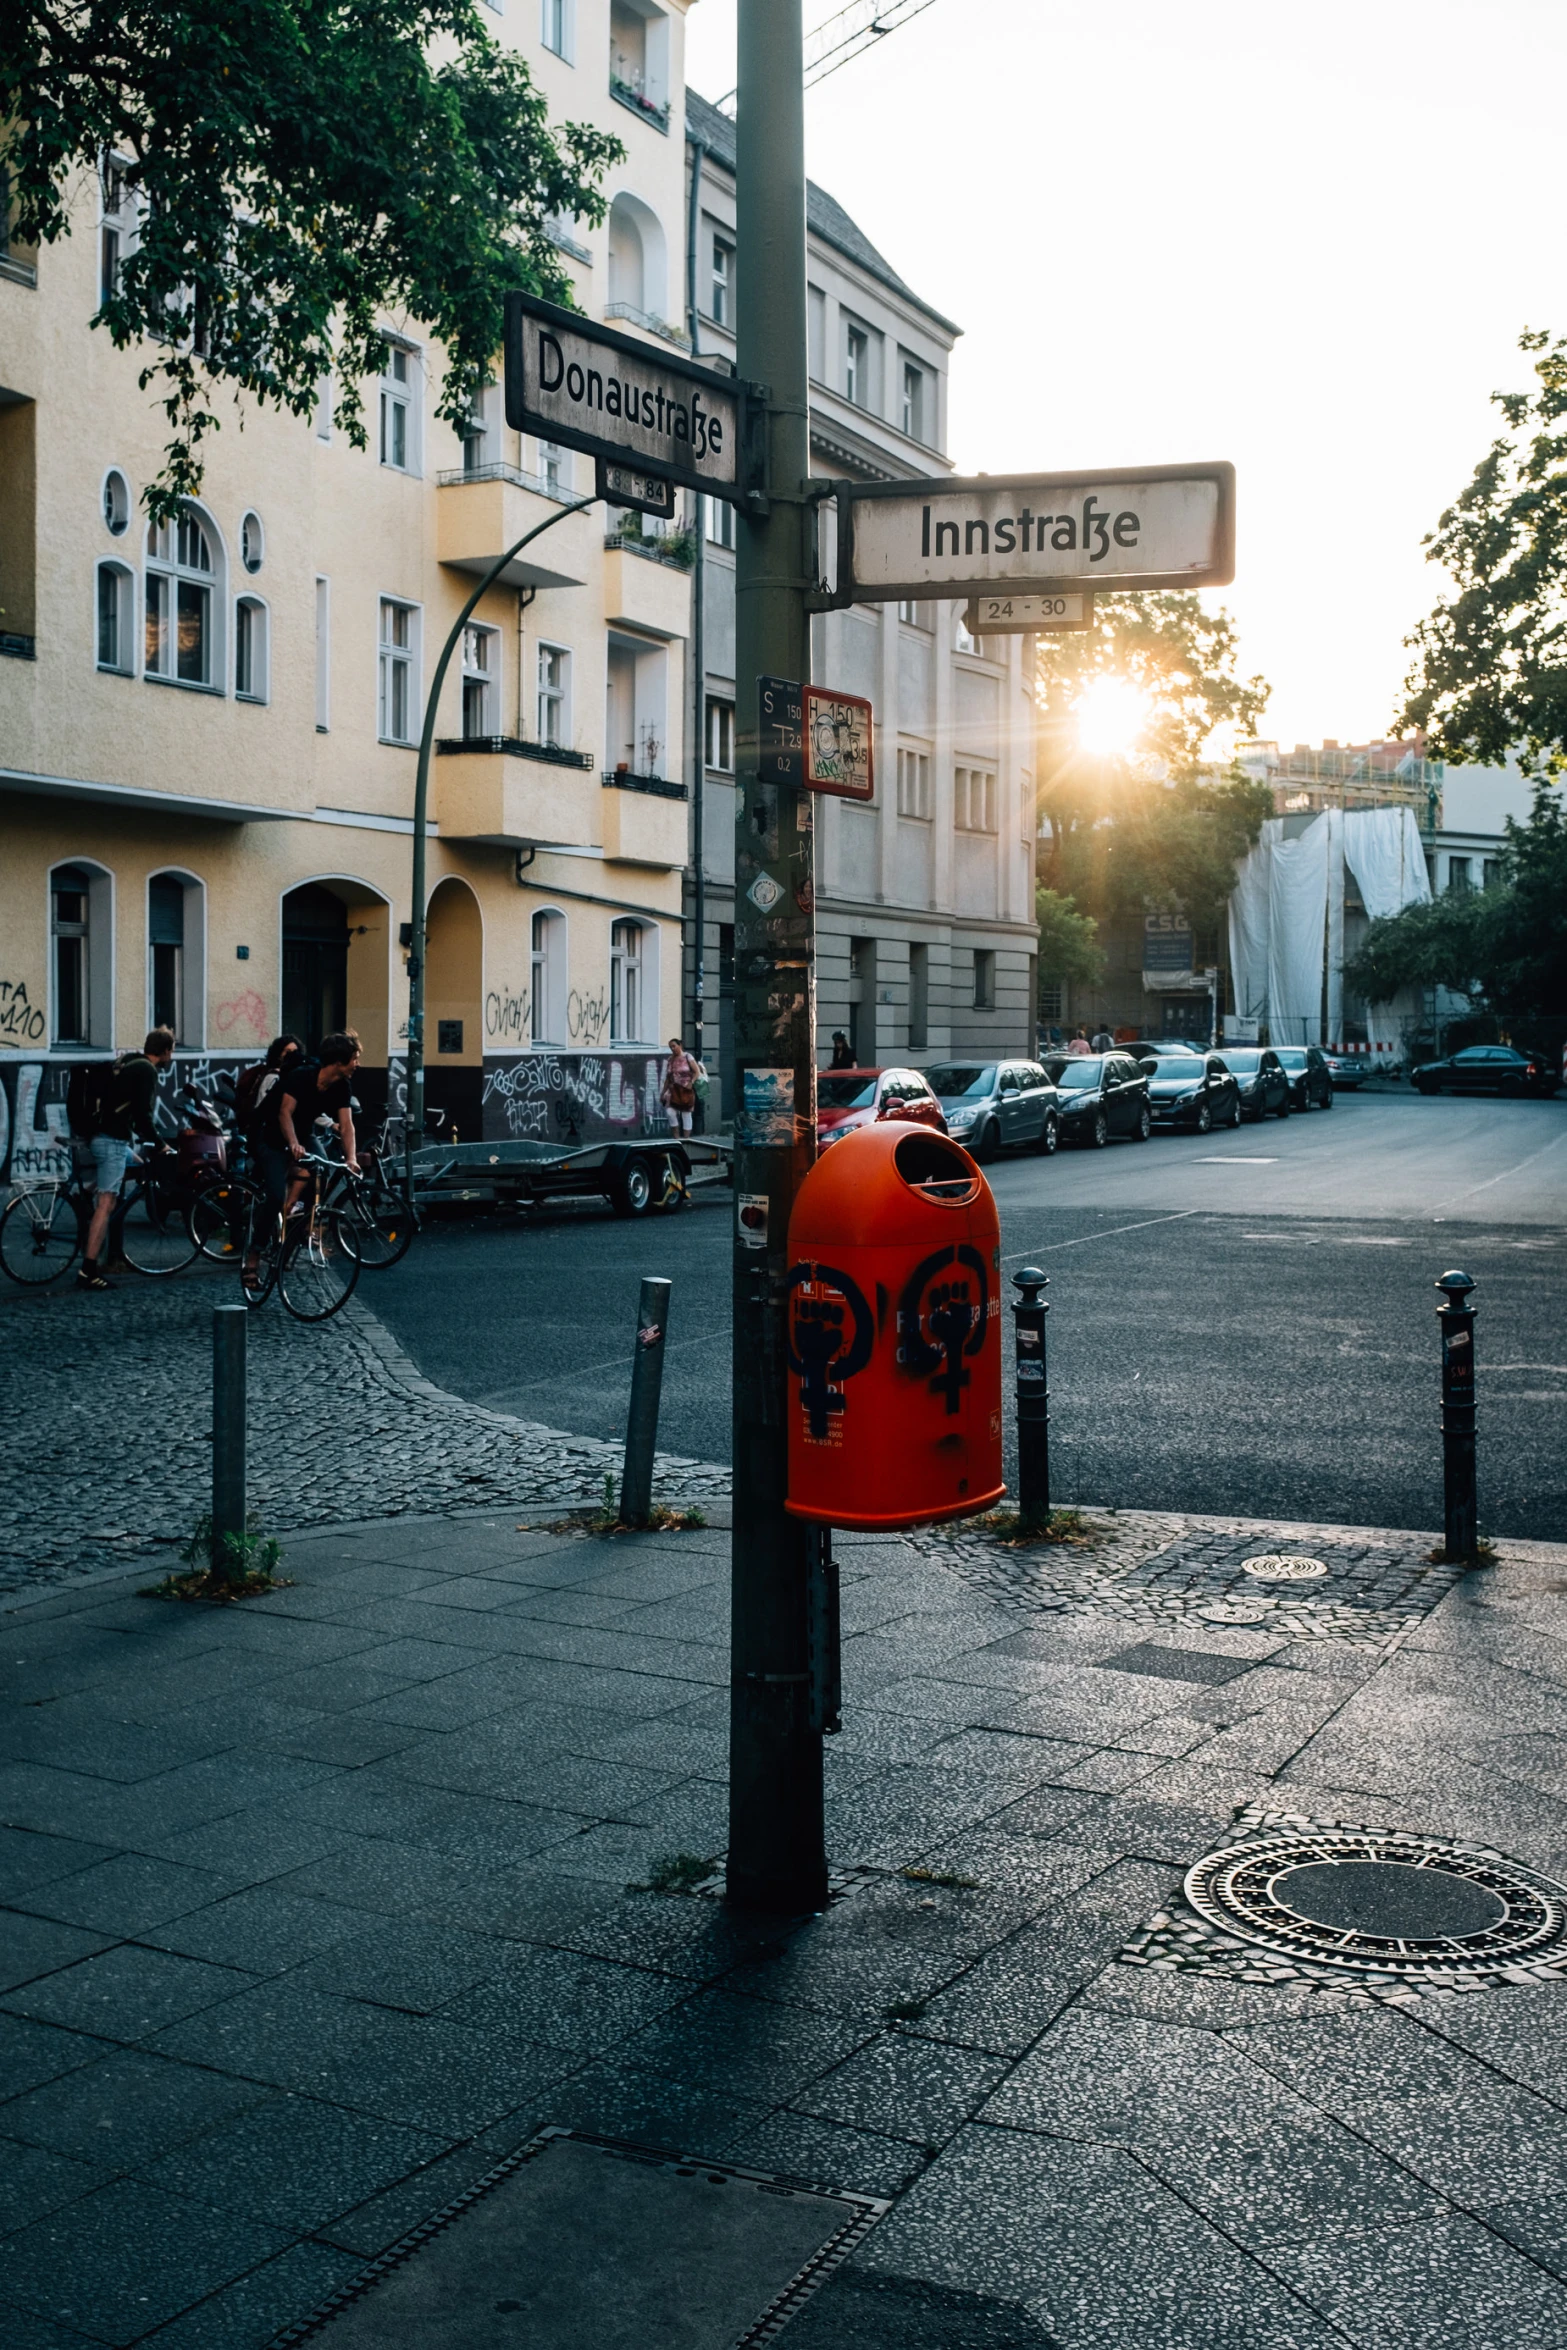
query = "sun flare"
x=1110 y=715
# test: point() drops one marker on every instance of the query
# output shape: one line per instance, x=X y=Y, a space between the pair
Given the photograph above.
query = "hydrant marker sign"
x=838 y=744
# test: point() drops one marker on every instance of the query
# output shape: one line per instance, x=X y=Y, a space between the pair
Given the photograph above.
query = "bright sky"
x=1305 y=239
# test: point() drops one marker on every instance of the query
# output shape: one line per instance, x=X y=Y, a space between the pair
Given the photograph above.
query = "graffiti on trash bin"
x=824 y=1350
x=942 y=1318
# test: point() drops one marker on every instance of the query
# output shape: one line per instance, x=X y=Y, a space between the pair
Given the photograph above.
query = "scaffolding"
x=1350 y=775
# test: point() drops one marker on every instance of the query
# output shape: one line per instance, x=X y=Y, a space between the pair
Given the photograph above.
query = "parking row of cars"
x=1089 y=1098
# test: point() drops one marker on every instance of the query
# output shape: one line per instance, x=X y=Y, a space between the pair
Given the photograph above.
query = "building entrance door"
x=315 y=963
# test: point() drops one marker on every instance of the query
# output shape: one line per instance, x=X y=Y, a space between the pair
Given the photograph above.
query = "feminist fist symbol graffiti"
x=823 y=1351
x=954 y=1312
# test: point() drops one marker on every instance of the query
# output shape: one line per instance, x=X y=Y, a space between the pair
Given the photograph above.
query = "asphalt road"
x=1242 y=1324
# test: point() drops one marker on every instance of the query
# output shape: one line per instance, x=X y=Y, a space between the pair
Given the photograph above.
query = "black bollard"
x=1033 y=1397
x=647 y=1380
x=1456 y=1320
x=229 y=1325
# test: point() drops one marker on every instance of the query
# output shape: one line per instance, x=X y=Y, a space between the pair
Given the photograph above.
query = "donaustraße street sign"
x=1150 y=526
x=573 y=381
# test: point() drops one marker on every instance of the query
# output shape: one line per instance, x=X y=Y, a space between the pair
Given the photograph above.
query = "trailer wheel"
x=633 y=1192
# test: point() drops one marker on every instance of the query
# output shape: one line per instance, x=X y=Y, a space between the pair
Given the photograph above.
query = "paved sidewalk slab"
x=319 y=1907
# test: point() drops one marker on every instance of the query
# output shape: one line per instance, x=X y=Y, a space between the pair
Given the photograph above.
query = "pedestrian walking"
x=1101 y=1040
x=107 y=1108
x=1079 y=1042
x=842 y=1051
x=678 y=1092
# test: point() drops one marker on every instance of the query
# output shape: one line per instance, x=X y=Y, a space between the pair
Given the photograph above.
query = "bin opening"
x=935 y=1168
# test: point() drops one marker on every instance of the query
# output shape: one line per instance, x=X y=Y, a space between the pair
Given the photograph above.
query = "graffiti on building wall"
x=507 y=1014
x=21 y=1020
x=573 y=1097
x=244 y=1018
x=587 y=1017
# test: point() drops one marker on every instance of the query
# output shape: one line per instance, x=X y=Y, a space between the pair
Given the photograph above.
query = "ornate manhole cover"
x=1237 y=1611
x=1378 y=1902
x=1284 y=1566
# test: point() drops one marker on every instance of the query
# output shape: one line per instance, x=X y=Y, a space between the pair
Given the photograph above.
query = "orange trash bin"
x=894 y=1334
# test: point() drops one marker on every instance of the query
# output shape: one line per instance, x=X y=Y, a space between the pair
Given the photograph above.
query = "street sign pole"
x=777 y=1849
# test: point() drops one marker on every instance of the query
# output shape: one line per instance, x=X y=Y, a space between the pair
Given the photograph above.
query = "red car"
x=847 y=1099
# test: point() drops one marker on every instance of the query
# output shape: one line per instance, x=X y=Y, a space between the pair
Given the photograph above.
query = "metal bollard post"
x=229 y=1324
x=1033 y=1397
x=1456 y=1320
x=647 y=1379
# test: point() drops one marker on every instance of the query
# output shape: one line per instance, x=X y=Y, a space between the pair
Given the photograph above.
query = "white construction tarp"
x=1297 y=918
x=1384 y=851
x=1249 y=925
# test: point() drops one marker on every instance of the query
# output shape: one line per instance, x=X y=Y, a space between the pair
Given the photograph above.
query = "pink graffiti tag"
x=247 y=1011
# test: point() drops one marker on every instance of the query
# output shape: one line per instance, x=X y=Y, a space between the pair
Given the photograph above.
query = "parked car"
x=1263 y=1081
x=1487 y=1068
x=1100 y=1094
x=1346 y=1071
x=1189 y=1089
x=1311 y=1080
x=847 y=1099
x=991 y=1106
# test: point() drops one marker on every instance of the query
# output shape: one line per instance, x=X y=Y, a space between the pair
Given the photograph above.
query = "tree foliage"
x=1490 y=669
x=1068 y=940
x=1152 y=828
x=298 y=170
x=1506 y=945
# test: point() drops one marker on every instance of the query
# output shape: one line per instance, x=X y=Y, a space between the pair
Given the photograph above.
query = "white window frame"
x=323 y=654
x=633 y=980
x=720 y=522
x=122 y=579
x=481 y=667
x=549 y=976
x=189 y=1023
x=554 y=468
x=115 y=502
x=915 y=614
x=721 y=281
x=399 y=396
x=720 y=749
x=119 y=221
x=974 y=798
x=914 y=788
x=252 y=542
x=911 y=412
x=558 y=29
x=253 y=634
x=168 y=567
x=98 y=956
x=552 y=703
x=392 y=657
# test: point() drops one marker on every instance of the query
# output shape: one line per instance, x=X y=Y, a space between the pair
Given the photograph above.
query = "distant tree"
x=1150 y=827
x=1490 y=670
x=1506 y=946
x=1068 y=940
x=296 y=170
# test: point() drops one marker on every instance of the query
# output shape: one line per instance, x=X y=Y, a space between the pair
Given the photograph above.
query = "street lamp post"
x=777 y=1847
x=413 y=1122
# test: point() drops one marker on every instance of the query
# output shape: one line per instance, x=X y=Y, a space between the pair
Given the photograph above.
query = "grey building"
x=925 y=932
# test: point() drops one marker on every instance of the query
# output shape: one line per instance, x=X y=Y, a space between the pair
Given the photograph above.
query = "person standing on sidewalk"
x=678 y=1092
x=123 y=1112
x=1079 y=1044
x=842 y=1051
x=1101 y=1040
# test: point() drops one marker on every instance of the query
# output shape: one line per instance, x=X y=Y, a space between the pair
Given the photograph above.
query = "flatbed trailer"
x=637 y=1178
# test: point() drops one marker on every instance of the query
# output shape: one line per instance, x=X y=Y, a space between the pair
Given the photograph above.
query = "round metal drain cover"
x=1283 y=1566
x=1378 y=1902
x=1237 y=1611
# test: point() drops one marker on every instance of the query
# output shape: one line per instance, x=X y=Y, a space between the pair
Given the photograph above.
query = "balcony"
x=625 y=87
x=627 y=314
x=643 y=592
x=480 y=513
x=515 y=794
x=644 y=819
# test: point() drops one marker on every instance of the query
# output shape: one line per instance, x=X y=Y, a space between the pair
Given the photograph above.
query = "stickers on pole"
x=767 y=1110
x=751 y=1219
x=838 y=745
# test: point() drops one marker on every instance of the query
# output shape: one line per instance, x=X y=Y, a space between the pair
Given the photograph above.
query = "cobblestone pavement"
x=107 y=1418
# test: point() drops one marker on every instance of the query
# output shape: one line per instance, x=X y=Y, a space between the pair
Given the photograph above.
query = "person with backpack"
x=107 y=1106
x=256 y=1082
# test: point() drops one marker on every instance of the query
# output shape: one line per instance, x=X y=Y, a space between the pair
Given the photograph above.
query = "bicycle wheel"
x=378 y=1226
x=39 y=1235
x=261 y=1248
x=154 y=1234
x=318 y=1269
x=221 y=1217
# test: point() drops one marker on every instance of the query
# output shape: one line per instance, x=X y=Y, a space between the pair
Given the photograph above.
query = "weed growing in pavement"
x=239 y=1566
x=676 y=1872
x=606 y=1519
x=919 y=1876
x=1484 y=1554
x=1010 y=1528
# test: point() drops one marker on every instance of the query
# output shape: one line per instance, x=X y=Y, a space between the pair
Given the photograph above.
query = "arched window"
x=625 y=982
x=115 y=627
x=252 y=543
x=182 y=605
x=116 y=503
x=637 y=263
x=81 y=955
x=547 y=1003
x=251 y=650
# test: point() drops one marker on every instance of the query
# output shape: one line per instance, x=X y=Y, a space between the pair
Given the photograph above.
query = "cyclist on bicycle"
x=261 y=1079
x=124 y=1111
x=306 y=1091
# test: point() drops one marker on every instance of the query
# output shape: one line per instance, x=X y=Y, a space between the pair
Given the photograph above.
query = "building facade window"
x=480 y=681
x=913 y=782
x=181 y=577
x=557 y=30
x=913 y=413
x=919 y=997
x=1052 y=999
x=554 y=683
x=166 y=953
x=721 y=736
x=251 y=649
x=625 y=982
x=984 y=979
x=914 y=615
x=399 y=650
x=1458 y=874
x=70 y=928
x=555 y=469
x=1490 y=872
x=323 y=655
x=114 y=619
x=252 y=544
x=720 y=521
x=117 y=225
x=399 y=417
x=974 y=799
x=722 y=294
x=547 y=999
x=856 y=365
x=116 y=503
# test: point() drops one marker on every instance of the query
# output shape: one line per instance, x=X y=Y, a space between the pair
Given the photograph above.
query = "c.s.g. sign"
x=584 y=385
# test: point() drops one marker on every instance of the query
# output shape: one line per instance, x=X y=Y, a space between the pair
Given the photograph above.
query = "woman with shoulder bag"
x=678 y=1093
